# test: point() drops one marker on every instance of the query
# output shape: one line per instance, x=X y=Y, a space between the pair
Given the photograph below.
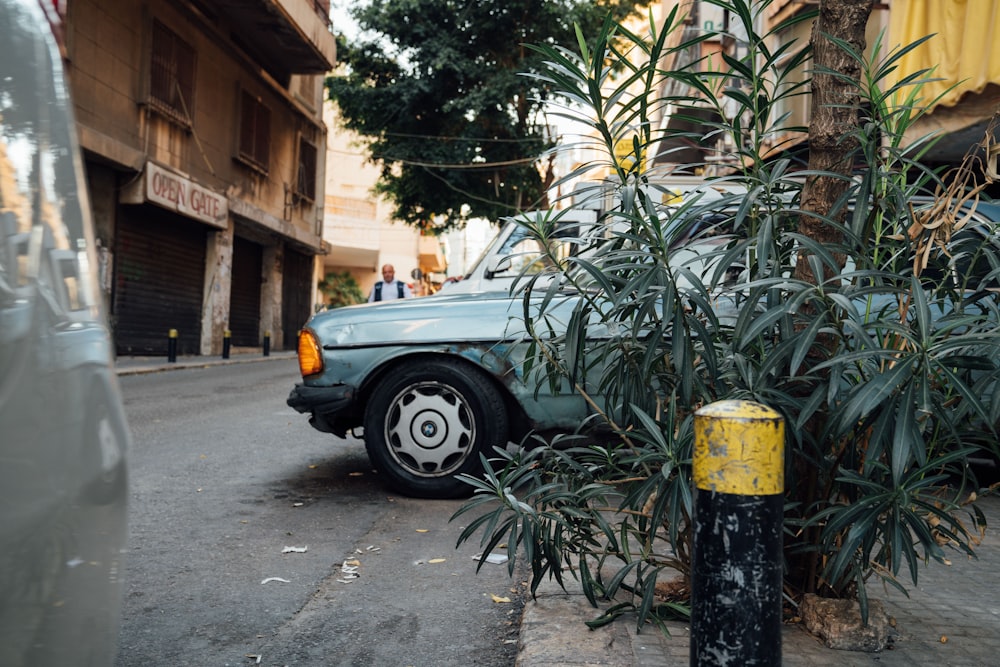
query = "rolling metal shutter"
x=244 y=296
x=296 y=295
x=159 y=278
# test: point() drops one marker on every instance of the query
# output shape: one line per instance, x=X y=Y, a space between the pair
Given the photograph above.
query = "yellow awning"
x=965 y=49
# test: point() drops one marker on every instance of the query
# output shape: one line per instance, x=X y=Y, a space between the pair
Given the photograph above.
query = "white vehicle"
x=513 y=252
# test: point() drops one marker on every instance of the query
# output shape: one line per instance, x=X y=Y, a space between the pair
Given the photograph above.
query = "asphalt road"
x=224 y=477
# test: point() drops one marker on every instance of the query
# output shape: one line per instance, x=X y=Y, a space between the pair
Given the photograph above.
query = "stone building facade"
x=204 y=147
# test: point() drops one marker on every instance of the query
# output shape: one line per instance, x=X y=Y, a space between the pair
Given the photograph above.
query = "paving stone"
x=958 y=602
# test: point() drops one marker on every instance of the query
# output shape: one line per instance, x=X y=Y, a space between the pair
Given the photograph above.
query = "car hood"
x=471 y=317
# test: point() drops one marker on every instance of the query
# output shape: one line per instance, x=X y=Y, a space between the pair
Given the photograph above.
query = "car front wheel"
x=427 y=422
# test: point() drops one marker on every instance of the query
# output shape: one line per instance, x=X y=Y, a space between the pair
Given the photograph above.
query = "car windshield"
x=43 y=242
x=524 y=251
x=479 y=260
x=527 y=254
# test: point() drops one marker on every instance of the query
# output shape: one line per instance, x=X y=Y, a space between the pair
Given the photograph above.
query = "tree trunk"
x=834 y=116
x=835 y=103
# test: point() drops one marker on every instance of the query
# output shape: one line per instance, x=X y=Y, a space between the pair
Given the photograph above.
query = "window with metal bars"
x=255 y=132
x=171 y=76
x=305 y=183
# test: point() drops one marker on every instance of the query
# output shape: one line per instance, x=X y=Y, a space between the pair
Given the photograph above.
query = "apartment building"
x=963 y=59
x=204 y=147
x=359 y=228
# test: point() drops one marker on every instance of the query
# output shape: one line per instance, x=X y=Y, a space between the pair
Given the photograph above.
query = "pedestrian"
x=389 y=288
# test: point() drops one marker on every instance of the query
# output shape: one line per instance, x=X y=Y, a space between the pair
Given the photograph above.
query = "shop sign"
x=179 y=193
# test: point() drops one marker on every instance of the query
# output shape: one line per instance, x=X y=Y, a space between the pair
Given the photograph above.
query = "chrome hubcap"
x=430 y=429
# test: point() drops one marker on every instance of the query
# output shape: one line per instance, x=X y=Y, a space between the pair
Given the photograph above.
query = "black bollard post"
x=736 y=568
x=172 y=346
x=267 y=343
x=227 y=339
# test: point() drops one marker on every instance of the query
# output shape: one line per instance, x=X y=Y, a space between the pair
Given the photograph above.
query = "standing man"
x=389 y=288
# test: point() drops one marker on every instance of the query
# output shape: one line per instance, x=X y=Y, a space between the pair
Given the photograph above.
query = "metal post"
x=267 y=343
x=172 y=346
x=736 y=569
x=227 y=340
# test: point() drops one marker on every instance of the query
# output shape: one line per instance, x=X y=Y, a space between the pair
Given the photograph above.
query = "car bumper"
x=323 y=400
x=331 y=407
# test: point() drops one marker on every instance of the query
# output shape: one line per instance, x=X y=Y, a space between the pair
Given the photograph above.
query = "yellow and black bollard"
x=227 y=342
x=172 y=346
x=736 y=569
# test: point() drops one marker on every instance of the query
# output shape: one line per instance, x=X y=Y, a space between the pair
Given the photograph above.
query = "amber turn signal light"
x=310 y=358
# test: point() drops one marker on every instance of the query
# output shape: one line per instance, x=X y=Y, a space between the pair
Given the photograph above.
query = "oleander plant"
x=876 y=340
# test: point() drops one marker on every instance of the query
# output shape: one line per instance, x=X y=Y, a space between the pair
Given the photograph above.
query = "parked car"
x=437 y=381
x=63 y=435
x=433 y=381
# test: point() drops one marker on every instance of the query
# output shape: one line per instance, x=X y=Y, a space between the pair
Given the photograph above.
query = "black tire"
x=428 y=421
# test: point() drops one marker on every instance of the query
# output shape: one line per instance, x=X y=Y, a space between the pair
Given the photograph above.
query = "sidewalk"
x=137 y=365
x=952 y=618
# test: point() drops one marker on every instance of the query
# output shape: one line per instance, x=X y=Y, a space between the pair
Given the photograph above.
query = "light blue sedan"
x=433 y=381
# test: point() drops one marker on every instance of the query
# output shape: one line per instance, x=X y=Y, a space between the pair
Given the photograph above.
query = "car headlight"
x=310 y=356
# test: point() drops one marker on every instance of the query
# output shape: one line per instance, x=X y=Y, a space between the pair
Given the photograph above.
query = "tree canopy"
x=437 y=89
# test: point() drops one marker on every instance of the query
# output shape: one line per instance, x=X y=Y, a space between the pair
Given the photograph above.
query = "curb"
x=142 y=365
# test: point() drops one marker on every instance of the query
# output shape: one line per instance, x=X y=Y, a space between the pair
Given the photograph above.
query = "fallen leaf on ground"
x=498 y=599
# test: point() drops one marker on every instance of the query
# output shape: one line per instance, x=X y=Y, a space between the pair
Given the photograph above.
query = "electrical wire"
x=445 y=165
x=452 y=138
x=474 y=197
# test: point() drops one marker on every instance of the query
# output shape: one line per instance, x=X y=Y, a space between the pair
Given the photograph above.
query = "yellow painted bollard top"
x=739 y=448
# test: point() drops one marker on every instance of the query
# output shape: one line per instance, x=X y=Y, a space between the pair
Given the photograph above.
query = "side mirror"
x=497 y=265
